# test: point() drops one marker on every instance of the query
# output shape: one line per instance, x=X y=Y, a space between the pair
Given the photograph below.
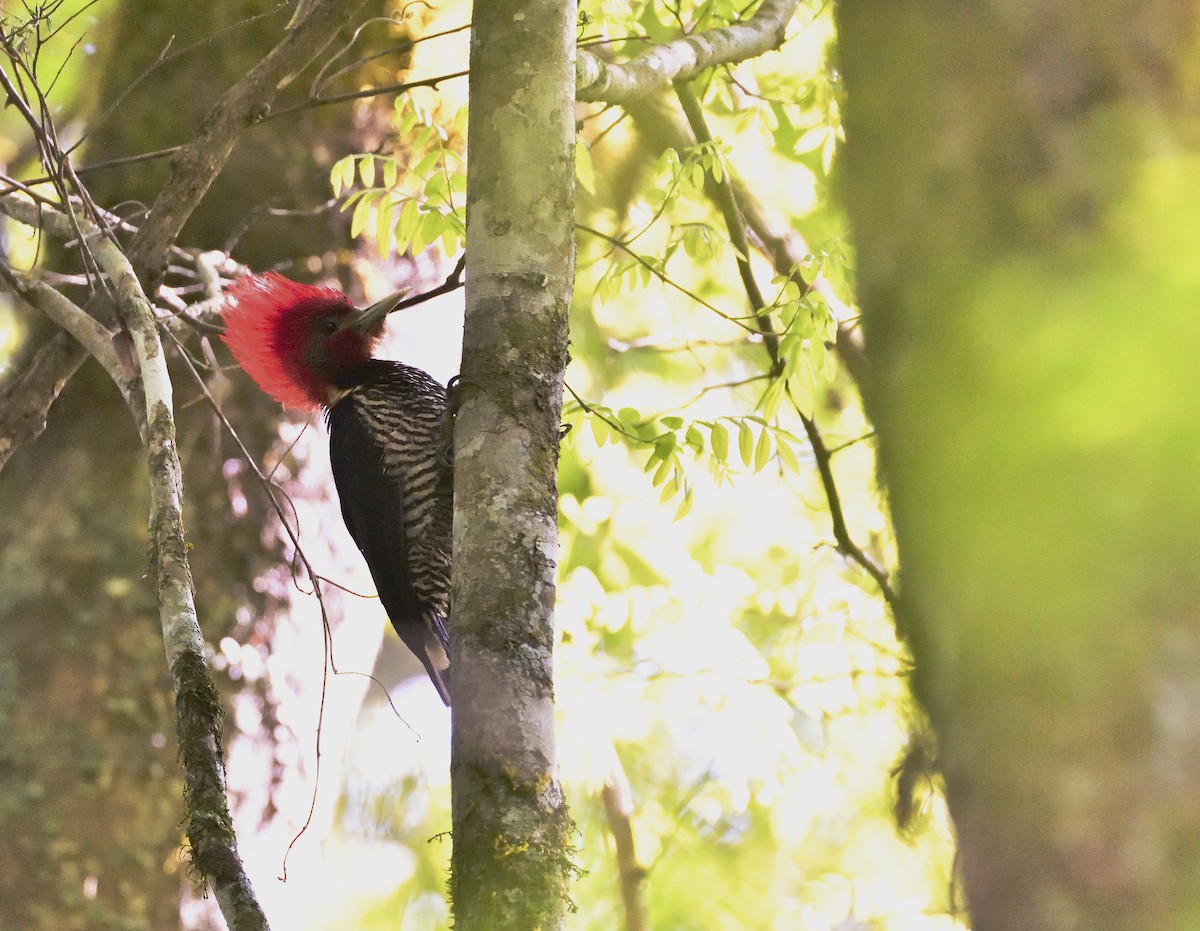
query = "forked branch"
x=657 y=68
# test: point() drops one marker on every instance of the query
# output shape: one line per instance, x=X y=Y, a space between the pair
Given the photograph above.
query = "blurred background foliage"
x=726 y=679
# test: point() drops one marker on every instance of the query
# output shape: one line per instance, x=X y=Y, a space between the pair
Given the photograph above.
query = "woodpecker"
x=310 y=348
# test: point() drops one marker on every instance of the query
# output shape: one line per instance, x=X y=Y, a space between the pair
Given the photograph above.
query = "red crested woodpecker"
x=310 y=348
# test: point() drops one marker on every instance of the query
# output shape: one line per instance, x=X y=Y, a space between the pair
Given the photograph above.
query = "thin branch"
x=618 y=810
x=329 y=664
x=665 y=279
x=26 y=397
x=82 y=326
x=313 y=102
x=127 y=160
x=841 y=533
x=198 y=163
x=453 y=282
x=197 y=704
x=786 y=250
x=25 y=401
x=198 y=707
x=655 y=69
x=723 y=194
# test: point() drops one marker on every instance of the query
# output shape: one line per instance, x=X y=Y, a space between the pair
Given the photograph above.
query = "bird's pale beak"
x=373 y=315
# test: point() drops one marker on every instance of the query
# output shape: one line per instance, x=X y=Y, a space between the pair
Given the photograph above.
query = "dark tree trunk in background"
x=91 y=802
x=1022 y=180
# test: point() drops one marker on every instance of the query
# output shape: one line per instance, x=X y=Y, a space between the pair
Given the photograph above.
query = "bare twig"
x=453 y=282
x=618 y=810
x=26 y=399
x=149 y=395
x=656 y=68
x=313 y=102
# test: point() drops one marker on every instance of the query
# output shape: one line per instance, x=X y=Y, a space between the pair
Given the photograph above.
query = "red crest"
x=268 y=325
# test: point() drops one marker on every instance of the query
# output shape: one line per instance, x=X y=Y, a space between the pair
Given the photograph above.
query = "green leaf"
x=425 y=233
x=801 y=386
x=407 y=116
x=720 y=441
x=424 y=136
x=437 y=189
x=762 y=452
x=362 y=211
x=450 y=239
x=663 y=472
x=746 y=442
x=601 y=431
x=671 y=423
x=697 y=243
x=366 y=170
x=772 y=398
x=383 y=229
x=694 y=438
x=787 y=457
x=335 y=176
x=812 y=139
x=828 y=151
x=406 y=224
x=351 y=199
x=390 y=172
x=685 y=505
x=347 y=172
x=425 y=164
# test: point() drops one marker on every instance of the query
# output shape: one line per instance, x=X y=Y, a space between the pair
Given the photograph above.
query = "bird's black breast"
x=395 y=489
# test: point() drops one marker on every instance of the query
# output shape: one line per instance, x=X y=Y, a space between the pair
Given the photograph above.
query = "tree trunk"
x=511 y=829
x=1021 y=178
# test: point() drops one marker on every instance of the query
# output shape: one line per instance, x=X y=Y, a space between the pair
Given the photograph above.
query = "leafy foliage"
x=715 y=648
x=409 y=207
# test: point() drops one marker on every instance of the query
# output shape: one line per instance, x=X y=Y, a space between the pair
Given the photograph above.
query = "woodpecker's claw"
x=453 y=400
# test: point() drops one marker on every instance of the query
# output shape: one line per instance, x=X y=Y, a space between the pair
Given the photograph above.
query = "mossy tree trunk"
x=511 y=830
x=1022 y=181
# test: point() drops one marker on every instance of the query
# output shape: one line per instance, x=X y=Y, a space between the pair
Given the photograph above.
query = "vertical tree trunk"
x=511 y=830
x=1022 y=181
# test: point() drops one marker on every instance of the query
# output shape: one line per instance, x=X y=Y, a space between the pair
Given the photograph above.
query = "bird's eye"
x=327 y=325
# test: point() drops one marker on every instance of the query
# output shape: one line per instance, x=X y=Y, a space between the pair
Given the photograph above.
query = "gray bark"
x=511 y=864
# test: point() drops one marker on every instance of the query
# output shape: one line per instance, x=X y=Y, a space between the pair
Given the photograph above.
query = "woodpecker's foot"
x=563 y=430
x=453 y=402
x=454 y=394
